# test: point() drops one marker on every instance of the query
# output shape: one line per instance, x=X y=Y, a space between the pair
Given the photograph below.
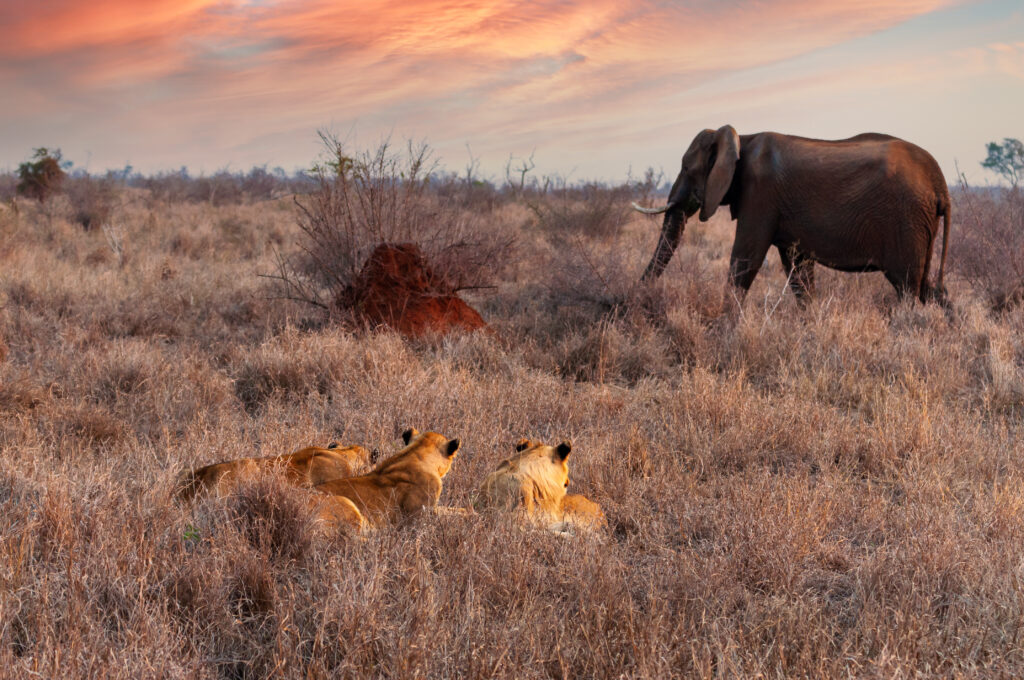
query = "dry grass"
x=990 y=252
x=809 y=494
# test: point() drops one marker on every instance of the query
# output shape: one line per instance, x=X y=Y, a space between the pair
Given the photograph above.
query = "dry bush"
x=273 y=517
x=473 y=195
x=600 y=325
x=615 y=351
x=988 y=244
x=223 y=188
x=20 y=393
x=383 y=196
x=8 y=187
x=88 y=425
x=590 y=210
x=92 y=199
x=280 y=370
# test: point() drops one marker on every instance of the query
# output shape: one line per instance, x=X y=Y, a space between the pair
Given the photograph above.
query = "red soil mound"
x=398 y=289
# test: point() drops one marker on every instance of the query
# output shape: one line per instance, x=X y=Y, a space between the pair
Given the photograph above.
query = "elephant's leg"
x=803 y=280
x=800 y=271
x=925 y=290
x=786 y=257
x=748 y=251
x=908 y=263
x=905 y=279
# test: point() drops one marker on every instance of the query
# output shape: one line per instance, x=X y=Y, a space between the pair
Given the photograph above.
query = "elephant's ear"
x=727 y=152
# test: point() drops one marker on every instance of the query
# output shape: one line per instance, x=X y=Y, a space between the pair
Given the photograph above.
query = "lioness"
x=399 y=487
x=306 y=467
x=534 y=481
x=580 y=511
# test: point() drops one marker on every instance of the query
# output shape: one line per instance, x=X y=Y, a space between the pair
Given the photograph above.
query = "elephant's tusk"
x=652 y=211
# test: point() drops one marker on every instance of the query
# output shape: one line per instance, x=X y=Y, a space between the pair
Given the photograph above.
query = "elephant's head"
x=707 y=171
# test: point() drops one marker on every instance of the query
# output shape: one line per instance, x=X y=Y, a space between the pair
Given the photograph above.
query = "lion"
x=304 y=468
x=400 y=487
x=534 y=482
x=579 y=511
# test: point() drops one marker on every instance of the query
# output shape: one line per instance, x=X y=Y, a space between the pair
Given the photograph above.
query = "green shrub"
x=41 y=177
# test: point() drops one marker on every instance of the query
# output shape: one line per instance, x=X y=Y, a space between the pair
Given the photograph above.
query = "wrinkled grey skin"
x=867 y=203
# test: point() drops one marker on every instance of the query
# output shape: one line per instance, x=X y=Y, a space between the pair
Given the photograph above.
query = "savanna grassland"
x=834 y=492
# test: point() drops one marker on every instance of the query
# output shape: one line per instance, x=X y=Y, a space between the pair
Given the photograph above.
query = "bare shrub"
x=475 y=195
x=259 y=184
x=21 y=394
x=619 y=352
x=223 y=187
x=257 y=382
x=275 y=370
x=251 y=589
x=273 y=517
x=89 y=424
x=988 y=246
x=382 y=196
x=92 y=199
x=8 y=187
x=220 y=188
x=589 y=273
x=591 y=210
x=168 y=186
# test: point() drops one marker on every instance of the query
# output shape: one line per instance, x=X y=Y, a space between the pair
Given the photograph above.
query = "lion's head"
x=431 y=450
x=534 y=479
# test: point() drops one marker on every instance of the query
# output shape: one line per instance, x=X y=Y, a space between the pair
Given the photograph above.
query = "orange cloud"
x=233 y=74
x=39 y=28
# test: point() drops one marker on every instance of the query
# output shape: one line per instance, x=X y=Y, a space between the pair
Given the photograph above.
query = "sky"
x=593 y=89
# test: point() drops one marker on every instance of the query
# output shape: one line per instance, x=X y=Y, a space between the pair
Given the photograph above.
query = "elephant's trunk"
x=676 y=210
x=671 y=232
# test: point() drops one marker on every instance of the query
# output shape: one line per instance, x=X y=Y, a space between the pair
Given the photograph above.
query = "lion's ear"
x=332 y=445
x=409 y=434
x=522 y=445
x=452 y=447
x=374 y=455
x=563 y=450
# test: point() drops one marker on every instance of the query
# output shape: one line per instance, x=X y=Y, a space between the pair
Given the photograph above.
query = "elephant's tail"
x=945 y=210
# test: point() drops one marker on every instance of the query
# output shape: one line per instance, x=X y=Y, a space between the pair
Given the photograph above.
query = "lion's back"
x=581 y=511
x=314 y=465
x=306 y=467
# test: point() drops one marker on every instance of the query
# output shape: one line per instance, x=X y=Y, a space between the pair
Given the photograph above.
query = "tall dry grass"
x=821 y=493
x=990 y=252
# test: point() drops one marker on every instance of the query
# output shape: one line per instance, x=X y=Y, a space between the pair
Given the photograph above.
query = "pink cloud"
x=492 y=73
x=30 y=29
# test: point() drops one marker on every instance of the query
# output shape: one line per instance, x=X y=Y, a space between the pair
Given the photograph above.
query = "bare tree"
x=525 y=166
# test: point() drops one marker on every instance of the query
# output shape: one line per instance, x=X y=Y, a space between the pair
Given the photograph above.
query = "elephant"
x=867 y=203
